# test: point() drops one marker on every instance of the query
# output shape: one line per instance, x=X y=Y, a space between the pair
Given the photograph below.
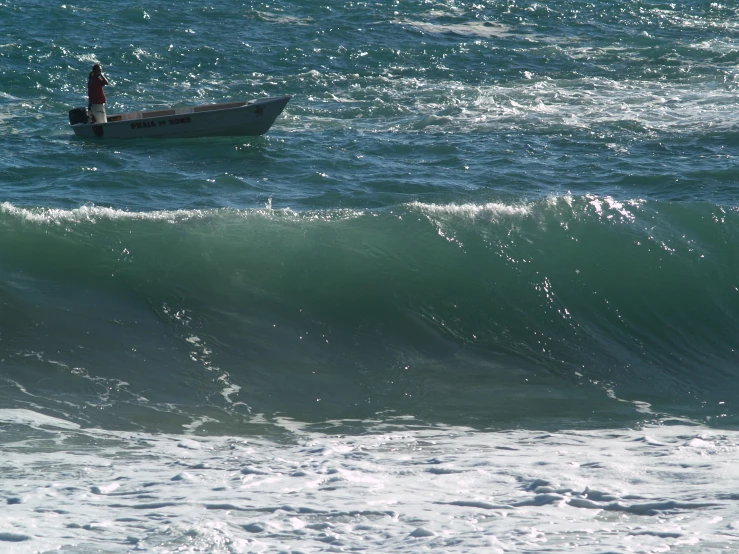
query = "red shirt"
x=95 y=91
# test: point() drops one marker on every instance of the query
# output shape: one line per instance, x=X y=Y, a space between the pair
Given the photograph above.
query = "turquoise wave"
x=578 y=308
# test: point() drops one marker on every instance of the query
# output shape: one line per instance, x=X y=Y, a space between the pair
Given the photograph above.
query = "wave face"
x=581 y=309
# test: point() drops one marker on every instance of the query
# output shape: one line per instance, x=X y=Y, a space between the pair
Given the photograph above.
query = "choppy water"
x=477 y=288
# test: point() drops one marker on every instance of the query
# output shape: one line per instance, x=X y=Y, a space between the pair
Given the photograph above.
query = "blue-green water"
x=487 y=213
x=481 y=273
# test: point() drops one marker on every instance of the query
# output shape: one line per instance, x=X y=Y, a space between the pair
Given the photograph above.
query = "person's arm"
x=103 y=79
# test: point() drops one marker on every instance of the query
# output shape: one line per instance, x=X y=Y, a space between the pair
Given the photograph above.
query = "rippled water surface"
x=475 y=289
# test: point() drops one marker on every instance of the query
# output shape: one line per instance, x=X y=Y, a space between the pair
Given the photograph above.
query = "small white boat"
x=248 y=118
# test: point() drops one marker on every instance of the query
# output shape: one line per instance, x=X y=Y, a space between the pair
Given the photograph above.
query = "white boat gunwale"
x=183 y=110
x=228 y=119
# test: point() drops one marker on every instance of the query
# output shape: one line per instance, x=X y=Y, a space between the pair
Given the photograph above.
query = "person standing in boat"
x=96 y=95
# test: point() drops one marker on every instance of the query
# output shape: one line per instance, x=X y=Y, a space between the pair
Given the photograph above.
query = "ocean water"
x=476 y=290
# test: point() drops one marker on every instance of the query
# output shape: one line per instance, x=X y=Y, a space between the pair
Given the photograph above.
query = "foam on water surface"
x=398 y=486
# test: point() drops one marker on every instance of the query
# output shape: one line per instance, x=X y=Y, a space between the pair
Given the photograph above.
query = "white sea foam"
x=398 y=487
x=283 y=19
x=440 y=214
x=484 y=29
x=34 y=419
x=491 y=210
x=608 y=207
x=603 y=206
x=93 y=214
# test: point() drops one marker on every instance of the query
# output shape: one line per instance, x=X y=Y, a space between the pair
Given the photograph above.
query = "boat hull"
x=234 y=119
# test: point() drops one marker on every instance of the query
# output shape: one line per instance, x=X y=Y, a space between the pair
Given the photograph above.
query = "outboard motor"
x=78 y=115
